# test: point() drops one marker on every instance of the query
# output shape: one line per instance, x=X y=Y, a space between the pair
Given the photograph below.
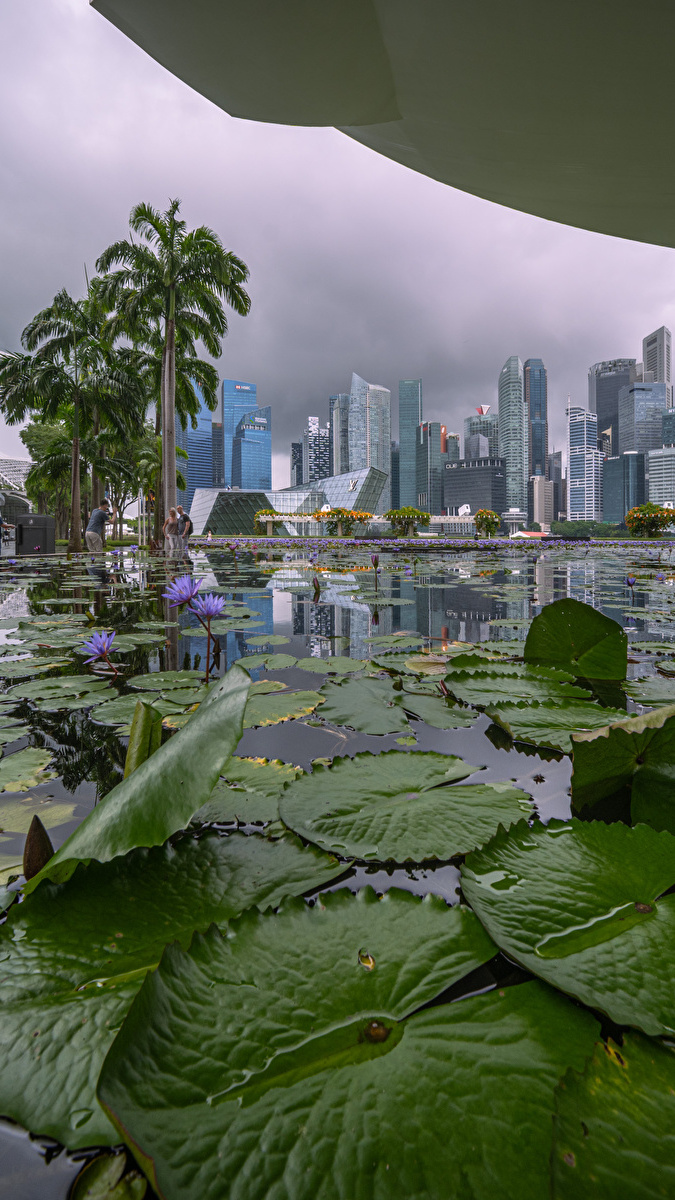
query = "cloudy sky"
x=357 y=264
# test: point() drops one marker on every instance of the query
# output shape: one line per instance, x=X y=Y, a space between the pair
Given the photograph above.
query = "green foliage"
x=340 y=522
x=578 y=638
x=265 y=517
x=636 y=754
x=581 y=529
x=649 y=520
x=487 y=522
x=407 y=520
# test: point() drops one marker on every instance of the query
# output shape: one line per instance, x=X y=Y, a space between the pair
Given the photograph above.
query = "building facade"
x=476 y=445
x=370 y=430
x=623 y=485
x=480 y=483
x=485 y=423
x=252 y=450
x=656 y=358
x=668 y=428
x=452 y=447
x=395 y=475
x=535 y=383
x=296 y=464
x=554 y=472
x=661 y=476
x=605 y=380
x=198 y=445
x=513 y=437
x=540 y=502
x=641 y=410
x=316 y=461
x=431 y=456
x=409 y=420
x=584 y=470
x=338 y=425
x=237 y=399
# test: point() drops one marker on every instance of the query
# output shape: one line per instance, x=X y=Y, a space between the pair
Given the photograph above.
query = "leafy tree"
x=340 y=522
x=406 y=521
x=173 y=282
x=48 y=485
x=649 y=520
x=487 y=522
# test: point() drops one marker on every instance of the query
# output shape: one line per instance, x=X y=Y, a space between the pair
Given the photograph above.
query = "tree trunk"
x=96 y=484
x=169 y=411
x=75 y=539
x=157 y=514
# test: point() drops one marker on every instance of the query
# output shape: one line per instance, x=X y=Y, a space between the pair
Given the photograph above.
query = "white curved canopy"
x=561 y=108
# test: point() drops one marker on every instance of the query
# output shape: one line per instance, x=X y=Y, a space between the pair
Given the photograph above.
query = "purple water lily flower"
x=207 y=606
x=375 y=560
x=181 y=590
x=98 y=645
x=660 y=578
x=631 y=581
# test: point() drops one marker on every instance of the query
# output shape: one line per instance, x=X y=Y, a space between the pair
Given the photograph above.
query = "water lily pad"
x=305 y=1036
x=552 y=722
x=267 y=639
x=25 y=769
x=250 y=791
x=161 y=795
x=614 y=1125
x=272 y=662
x=368 y=705
x=577 y=638
x=582 y=905
x=492 y=686
x=22 y=668
x=435 y=710
x=637 y=753
x=104 y=1179
x=60 y=692
x=14 y=733
x=120 y=711
x=272 y=709
x=335 y=665
x=16 y=816
x=163 y=681
x=74 y=956
x=654 y=690
x=398 y=807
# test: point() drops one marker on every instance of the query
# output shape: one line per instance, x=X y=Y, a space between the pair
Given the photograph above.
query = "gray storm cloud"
x=356 y=263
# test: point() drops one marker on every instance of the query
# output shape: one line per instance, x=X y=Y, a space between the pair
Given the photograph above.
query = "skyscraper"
x=198 y=445
x=656 y=356
x=252 y=450
x=296 y=464
x=584 y=472
x=513 y=440
x=370 y=430
x=536 y=402
x=485 y=423
x=238 y=399
x=661 y=475
x=452 y=447
x=338 y=407
x=555 y=474
x=395 y=477
x=623 y=485
x=641 y=410
x=476 y=445
x=316 y=462
x=605 y=380
x=431 y=459
x=409 y=419
x=480 y=483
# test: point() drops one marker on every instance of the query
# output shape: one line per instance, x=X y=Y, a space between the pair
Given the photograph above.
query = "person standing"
x=95 y=531
x=170 y=531
x=185 y=527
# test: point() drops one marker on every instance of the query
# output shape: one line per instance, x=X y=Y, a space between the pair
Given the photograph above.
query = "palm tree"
x=71 y=367
x=178 y=281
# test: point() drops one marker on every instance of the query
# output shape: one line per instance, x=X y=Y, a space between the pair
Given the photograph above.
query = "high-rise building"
x=513 y=440
x=584 y=471
x=554 y=472
x=668 y=427
x=452 y=447
x=252 y=450
x=198 y=445
x=656 y=356
x=605 y=380
x=395 y=476
x=217 y=443
x=370 y=430
x=486 y=423
x=238 y=399
x=316 y=462
x=480 y=483
x=661 y=475
x=296 y=464
x=536 y=402
x=431 y=459
x=409 y=420
x=338 y=407
x=623 y=485
x=476 y=445
x=641 y=410
x=540 y=502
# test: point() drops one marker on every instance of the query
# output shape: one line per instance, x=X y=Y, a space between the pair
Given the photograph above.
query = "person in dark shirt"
x=184 y=526
x=95 y=531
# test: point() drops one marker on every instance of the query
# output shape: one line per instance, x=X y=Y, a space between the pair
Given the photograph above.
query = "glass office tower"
x=535 y=384
x=252 y=450
x=486 y=424
x=605 y=380
x=584 y=470
x=431 y=458
x=623 y=485
x=338 y=409
x=642 y=407
x=370 y=430
x=316 y=461
x=238 y=399
x=198 y=445
x=513 y=439
x=409 y=420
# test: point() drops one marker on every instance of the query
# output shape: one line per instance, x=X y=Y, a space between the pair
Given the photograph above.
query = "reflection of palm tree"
x=174 y=281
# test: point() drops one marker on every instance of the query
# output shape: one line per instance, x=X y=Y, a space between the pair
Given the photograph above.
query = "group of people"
x=176 y=529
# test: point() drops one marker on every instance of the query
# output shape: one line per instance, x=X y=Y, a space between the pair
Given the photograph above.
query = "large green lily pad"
x=614 y=1126
x=368 y=705
x=161 y=795
x=552 y=722
x=24 y=667
x=398 y=807
x=335 y=665
x=505 y=682
x=577 y=638
x=271 y=662
x=306 y=1069
x=66 y=691
x=250 y=791
x=164 y=681
x=636 y=753
x=16 y=815
x=582 y=905
x=653 y=690
x=277 y=707
x=75 y=954
x=25 y=769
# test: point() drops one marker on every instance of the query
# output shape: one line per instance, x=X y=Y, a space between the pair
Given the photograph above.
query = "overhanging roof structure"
x=561 y=109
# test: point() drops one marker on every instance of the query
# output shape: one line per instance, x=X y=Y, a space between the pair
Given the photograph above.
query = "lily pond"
x=371 y=896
